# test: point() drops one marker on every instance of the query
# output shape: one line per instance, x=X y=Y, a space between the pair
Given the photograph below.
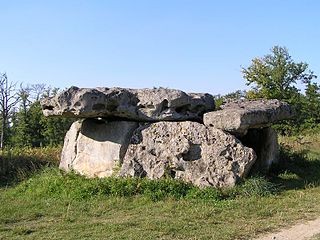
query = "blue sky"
x=193 y=45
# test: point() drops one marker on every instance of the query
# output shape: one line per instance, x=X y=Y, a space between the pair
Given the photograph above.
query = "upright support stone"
x=265 y=143
x=95 y=148
x=188 y=151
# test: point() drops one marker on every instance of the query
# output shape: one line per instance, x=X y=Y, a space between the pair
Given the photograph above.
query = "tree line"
x=273 y=76
x=22 y=121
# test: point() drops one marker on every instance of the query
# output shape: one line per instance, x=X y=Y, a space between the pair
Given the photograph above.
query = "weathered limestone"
x=188 y=151
x=239 y=116
x=149 y=133
x=69 y=150
x=149 y=105
x=94 y=148
x=250 y=121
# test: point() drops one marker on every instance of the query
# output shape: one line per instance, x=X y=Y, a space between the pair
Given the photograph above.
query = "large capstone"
x=188 y=151
x=239 y=116
x=149 y=105
x=95 y=148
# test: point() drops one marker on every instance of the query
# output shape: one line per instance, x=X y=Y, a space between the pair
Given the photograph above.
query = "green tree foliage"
x=30 y=127
x=277 y=76
x=312 y=104
x=54 y=129
x=21 y=122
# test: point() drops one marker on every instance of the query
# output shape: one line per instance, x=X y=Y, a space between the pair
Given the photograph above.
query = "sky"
x=192 y=45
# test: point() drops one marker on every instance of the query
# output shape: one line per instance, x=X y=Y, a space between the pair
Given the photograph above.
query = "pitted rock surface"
x=188 y=151
x=158 y=132
x=95 y=148
x=239 y=116
x=158 y=104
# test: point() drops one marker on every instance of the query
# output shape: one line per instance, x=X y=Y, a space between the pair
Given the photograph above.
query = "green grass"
x=138 y=217
x=49 y=204
x=52 y=183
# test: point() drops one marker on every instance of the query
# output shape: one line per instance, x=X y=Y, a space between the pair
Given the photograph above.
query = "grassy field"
x=51 y=205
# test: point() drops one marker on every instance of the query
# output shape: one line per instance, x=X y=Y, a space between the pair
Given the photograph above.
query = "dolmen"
x=160 y=132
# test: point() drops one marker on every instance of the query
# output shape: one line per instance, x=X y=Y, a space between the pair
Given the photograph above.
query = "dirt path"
x=297 y=232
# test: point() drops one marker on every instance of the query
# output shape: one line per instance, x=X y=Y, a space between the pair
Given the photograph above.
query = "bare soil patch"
x=300 y=231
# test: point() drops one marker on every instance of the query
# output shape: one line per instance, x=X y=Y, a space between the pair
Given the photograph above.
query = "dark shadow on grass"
x=16 y=168
x=295 y=170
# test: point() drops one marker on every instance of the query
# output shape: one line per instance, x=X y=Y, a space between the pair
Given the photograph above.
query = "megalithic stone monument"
x=161 y=132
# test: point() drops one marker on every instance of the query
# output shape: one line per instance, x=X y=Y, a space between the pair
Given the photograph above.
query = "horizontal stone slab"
x=239 y=116
x=158 y=104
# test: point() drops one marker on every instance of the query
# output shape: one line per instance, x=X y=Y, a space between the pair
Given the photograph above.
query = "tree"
x=8 y=100
x=312 y=103
x=21 y=125
x=30 y=127
x=21 y=119
x=275 y=76
x=38 y=90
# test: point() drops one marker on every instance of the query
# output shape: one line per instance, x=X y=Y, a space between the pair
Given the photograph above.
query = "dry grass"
x=18 y=163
